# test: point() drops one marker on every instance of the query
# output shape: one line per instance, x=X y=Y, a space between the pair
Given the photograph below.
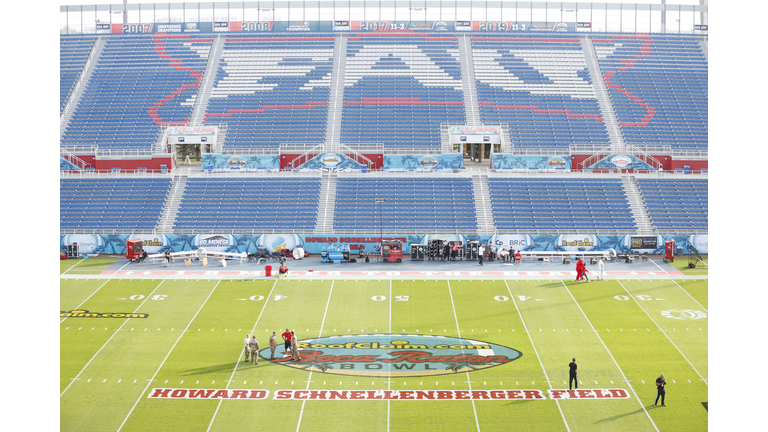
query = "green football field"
x=623 y=334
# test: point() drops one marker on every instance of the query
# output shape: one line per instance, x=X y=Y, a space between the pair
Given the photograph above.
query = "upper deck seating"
x=73 y=52
x=540 y=86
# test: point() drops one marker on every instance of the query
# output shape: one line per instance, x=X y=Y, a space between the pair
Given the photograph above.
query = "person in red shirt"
x=287 y=339
x=579 y=269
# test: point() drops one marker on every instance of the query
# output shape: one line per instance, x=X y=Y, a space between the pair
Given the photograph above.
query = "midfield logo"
x=82 y=313
x=397 y=355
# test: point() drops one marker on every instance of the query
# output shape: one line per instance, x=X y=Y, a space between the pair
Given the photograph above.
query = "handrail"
x=73 y=159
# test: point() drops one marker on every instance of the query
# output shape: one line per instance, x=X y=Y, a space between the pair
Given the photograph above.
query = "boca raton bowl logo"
x=236 y=162
x=561 y=27
x=428 y=162
x=380 y=355
x=621 y=161
x=441 y=25
x=556 y=162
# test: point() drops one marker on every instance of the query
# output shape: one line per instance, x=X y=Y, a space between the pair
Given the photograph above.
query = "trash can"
x=679 y=251
x=268 y=271
x=455 y=168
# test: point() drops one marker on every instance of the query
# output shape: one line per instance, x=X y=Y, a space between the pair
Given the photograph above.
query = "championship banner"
x=523 y=26
x=201 y=27
x=506 y=161
x=402 y=25
x=444 y=162
x=216 y=162
x=475 y=134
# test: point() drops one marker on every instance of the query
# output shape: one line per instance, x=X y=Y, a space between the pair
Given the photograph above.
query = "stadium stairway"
x=171 y=205
x=468 y=84
x=704 y=43
x=200 y=100
x=603 y=98
x=483 y=204
x=326 y=209
x=85 y=76
x=335 y=103
x=637 y=205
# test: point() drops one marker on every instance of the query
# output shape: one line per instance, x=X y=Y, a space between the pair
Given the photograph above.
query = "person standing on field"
x=573 y=374
x=287 y=345
x=294 y=348
x=601 y=267
x=660 y=383
x=272 y=345
x=247 y=349
x=481 y=253
x=254 y=344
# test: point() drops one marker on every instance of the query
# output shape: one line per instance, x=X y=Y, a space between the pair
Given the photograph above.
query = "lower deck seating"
x=677 y=204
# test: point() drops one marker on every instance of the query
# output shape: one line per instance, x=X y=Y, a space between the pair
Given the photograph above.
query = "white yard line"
x=78 y=306
x=654 y=263
x=253 y=330
x=110 y=338
x=75 y=265
x=126 y=264
x=309 y=381
x=166 y=356
x=663 y=332
x=705 y=309
x=525 y=327
x=469 y=381
x=389 y=331
x=612 y=358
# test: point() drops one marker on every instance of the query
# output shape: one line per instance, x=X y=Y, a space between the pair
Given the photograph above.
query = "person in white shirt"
x=247 y=347
x=601 y=267
x=481 y=253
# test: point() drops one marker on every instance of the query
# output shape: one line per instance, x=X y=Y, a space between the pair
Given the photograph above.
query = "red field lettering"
x=338 y=395
x=372 y=395
x=443 y=395
x=224 y=394
x=514 y=394
x=497 y=394
x=420 y=394
x=462 y=394
x=557 y=394
x=480 y=394
x=160 y=393
x=599 y=393
x=179 y=393
x=406 y=394
x=200 y=393
x=585 y=394
x=619 y=393
x=533 y=394
x=357 y=394
x=317 y=394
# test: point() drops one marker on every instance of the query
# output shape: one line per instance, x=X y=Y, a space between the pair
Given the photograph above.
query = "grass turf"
x=613 y=333
x=681 y=263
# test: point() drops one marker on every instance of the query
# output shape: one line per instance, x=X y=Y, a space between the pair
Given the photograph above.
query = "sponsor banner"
x=643 y=244
x=114 y=244
x=333 y=161
x=396 y=355
x=222 y=26
x=516 y=242
x=83 y=313
x=475 y=134
x=216 y=243
x=701 y=27
x=215 y=161
x=340 y=25
x=577 y=242
x=442 y=162
x=511 y=26
x=133 y=28
x=177 y=393
x=153 y=244
x=616 y=161
x=104 y=28
x=507 y=161
x=583 y=25
x=463 y=25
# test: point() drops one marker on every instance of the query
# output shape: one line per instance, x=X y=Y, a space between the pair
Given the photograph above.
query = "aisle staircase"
x=171 y=205
x=615 y=135
x=468 y=84
x=327 y=207
x=637 y=204
x=82 y=82
x=200 y=100
x=335 y=102
x=483 y=204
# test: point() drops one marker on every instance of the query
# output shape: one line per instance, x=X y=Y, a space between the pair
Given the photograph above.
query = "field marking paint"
x=705 y=309
x=654 y=263
x=75 y=265
x=166 y=357
x=458 y=330
x=537 y=354
x=110 y=338
x=665 y=334
x=612 y=358
x=237 y=363
x=97 y=290
x=301 y=413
